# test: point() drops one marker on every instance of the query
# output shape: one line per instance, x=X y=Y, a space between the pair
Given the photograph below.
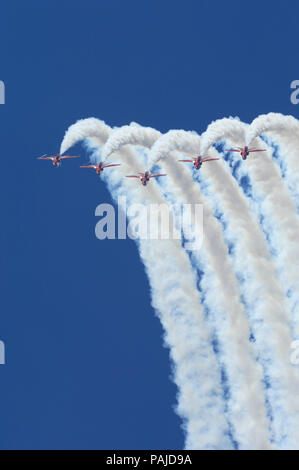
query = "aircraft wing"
x=67 y=156
x=186 y=161
x=132 y=176
x=88 y=166
x=210 y=159
x=233 y=150
x=154 y=176
x=45 y=158
x=114 y=164
x=257 y=150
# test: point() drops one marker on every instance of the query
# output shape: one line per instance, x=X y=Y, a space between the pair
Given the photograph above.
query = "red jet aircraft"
x=244 y=151
x=198 y=161
x=100 y=166
x=144 y=177
x=56 y=159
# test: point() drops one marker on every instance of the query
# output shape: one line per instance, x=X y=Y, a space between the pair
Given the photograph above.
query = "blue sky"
x=86 y=367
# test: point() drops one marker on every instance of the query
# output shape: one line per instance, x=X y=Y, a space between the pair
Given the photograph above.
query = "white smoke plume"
x=177 y=302
x=271 y=196
x=227 y=312
x=92 y=127
x=133 y=134
x=227 y=128
x=228 y=336
x=273 y=203
x=284 y=131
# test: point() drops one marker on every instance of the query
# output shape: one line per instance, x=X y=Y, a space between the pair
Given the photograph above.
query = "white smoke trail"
x=270 y=326
x=175 y=140
x=284 y=130
x=227 y=313
x=190 y=142
x=253 y=265
x=134 y=135
x=92 y=127
x=227 y=128
x=274 y=204
x=273 y=201
x=176 y=299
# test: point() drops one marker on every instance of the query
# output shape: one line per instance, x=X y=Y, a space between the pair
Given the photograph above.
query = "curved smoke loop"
x=230 y=329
